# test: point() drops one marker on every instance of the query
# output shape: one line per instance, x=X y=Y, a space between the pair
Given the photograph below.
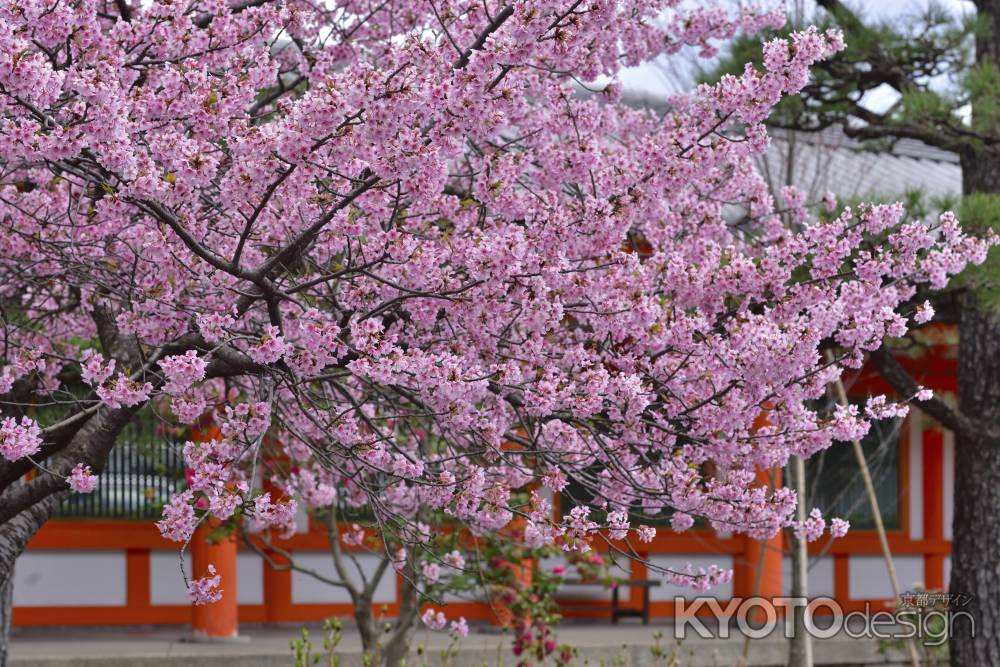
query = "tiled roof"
x=830 y=160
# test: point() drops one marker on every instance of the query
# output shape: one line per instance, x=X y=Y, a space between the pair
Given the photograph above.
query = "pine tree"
x=942 y=71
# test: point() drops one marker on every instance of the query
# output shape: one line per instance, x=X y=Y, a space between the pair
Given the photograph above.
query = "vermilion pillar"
x=217 y=620
x=933 y=488
x=768 y=582
x=757 y=568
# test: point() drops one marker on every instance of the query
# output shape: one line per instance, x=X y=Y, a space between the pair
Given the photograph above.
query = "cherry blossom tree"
x=393 y=238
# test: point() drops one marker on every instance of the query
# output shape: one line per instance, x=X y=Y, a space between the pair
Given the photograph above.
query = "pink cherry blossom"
x=353 y=537
x=700 y=578
x=179 y=521
x=81 y=479
x=182 y=371
x=124 y=392
x=213 y=325
x=399 y=559
x=205 y=590
x=839 y=527
x=19 y=439
x=434 y=620
x=925 y=313
x=94 y=369
x=270 y=348
x=271 y=514
x=618 y=522
x=459 y=628
x=431 y=572
x=812 y=528
x=454 y=559
x=829 y=201
x=879 y=407
x=681 y=521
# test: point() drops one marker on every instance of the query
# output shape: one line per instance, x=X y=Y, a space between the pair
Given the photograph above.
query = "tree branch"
x=204 y=20
x=310 y=232
x=480 y=42
x=124 y=9
x=90 y=446
x=903 y=383
x=14 y=534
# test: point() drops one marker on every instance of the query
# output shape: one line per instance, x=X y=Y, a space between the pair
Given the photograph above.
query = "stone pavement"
x=597 y=645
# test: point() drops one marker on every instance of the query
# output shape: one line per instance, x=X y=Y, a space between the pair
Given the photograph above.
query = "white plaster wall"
x=306 y=589
x=667 y=591
x=70 y=578
x=301 y=518
x=250 y=578
x=915 y=493
x=166 y=584
x=820 y=576
x=947 y=572
x=869 y=580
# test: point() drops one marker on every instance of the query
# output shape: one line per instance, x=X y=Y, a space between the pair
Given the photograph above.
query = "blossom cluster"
x=436 y=620
x=19 y=439
x=402 y=264
x=205 y=590
x=81 y=479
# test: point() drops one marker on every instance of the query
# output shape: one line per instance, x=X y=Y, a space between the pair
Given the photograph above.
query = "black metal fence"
x=145 y=467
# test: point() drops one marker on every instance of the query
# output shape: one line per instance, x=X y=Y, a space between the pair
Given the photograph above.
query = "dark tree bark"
x=25 y=505
x=398 y=646
x=980 y=172
x=976 y=421
x=86 y=437
x=975 y=561
x=975 y=568
x=14 y=535
x=6 y=607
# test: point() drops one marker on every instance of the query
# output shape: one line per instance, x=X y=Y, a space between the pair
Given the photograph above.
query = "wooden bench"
x=617 y=611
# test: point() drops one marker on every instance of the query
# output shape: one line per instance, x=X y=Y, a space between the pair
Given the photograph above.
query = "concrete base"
x=625 y=645
x=200 y=638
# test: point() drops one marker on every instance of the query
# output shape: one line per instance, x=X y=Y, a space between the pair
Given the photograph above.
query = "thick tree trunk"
x=6 y=607
x=975 y=560
x=980 y=172
x=364 y=616
x=398 y=647
x=975 y=564
x=387 y=649
x=14 y=536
